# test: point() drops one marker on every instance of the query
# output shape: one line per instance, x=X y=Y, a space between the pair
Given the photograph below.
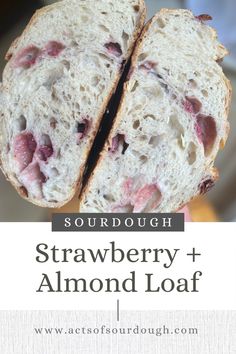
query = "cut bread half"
x=171 y=122
x=56 y=86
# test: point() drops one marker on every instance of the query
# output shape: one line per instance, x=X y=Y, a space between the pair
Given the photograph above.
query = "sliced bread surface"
x=59 y=78
x=170 y=124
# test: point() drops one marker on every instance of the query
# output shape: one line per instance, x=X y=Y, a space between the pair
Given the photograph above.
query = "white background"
x=21 y=275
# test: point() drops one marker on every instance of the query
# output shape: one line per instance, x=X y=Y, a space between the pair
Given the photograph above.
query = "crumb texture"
x=173 y=118
x=60 y=75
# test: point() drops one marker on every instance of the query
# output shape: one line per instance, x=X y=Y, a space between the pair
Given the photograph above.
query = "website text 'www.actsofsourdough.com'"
x=108 y=330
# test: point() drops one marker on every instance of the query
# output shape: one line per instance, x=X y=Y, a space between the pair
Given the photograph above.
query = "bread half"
x=170 y=124
x=60 y=76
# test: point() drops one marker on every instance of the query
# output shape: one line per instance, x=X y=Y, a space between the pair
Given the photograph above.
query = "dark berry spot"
x=136 y=8
x=23 y=192
x=118 y=140
x=27 y=57
x=206 y=131
x=82 y=128
x=203 y=17
x=114 y=49
x=45 y=152
x=53 y=48
x=125 y=147
x=206 y=186
x=192 y=105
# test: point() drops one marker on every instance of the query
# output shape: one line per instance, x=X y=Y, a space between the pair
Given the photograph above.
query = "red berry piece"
x=114 y=49
x=146 y=199
x=116 y=141
x=24 y=148
x=206 y=186
x=206 y=131
x=53 y=48
x=45 y=152
x=192 y=105
x=27 y=57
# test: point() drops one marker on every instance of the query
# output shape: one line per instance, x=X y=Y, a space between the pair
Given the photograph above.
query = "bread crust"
x=78 y=185
x=222 y=52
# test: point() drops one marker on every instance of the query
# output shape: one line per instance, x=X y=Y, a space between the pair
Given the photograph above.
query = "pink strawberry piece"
x=203 y=18
x=24 y=148
x=114 y=144
x=206 y=131
x=206 y=186
x=127 y=187
x=192 y=105
x=53 y=48
x=45 y=152
x=114 y=49
x=146 y=199
x=33 y=179
x=27 y=57
x=33 y=173
x=116 y=141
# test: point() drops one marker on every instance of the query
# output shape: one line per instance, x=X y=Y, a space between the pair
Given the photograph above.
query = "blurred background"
x=220 y=203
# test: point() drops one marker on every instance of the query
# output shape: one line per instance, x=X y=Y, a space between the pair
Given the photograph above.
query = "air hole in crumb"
x=136 y=124
x=193 y=83
x=125 y=38
x=45 y=140
x=54 y=172
x=104 y=28
x=155 y=140
x=66 y=64
x=22 y=123
x=143 y=158
x=192 y=155
x=205 y=93
x=143 y=137
x=109 y=197
x=161 y=23
x=142 y=57
x=53 y=123
x=136 y=85
x=149 y=116
x=95 y=80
